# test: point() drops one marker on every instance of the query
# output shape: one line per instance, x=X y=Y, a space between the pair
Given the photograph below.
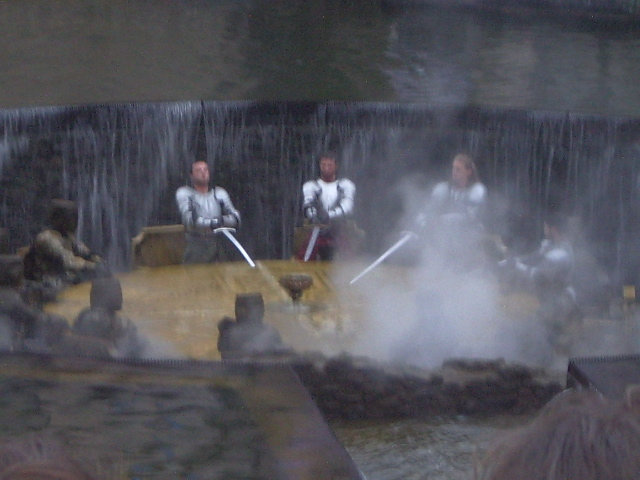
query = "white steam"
x=439 y=298
x=428 y=312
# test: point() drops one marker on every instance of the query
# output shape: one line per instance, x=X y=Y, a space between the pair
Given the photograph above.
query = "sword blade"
x=227 y=233
x=405 y=238
x=312 y=243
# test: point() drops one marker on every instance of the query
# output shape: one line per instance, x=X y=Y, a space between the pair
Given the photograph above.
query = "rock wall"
x=605 y=8
x=352 y=388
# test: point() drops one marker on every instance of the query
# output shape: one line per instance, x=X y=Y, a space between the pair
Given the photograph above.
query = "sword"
x=227 y=231
x=405 y=238
x=312 y=242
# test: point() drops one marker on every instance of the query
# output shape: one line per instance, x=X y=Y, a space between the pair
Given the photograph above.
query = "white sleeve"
x=347 y=200
x=440 y=192
x=230 y=216
x=310 y=192
x=184 y=198
x=477 y=199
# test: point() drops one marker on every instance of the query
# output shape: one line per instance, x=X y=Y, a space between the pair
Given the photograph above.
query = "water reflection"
x=453 y=57
x=317 y=50
x=134 y=426
x=324 y=49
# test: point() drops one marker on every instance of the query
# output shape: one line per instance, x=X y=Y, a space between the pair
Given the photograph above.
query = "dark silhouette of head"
x=249 y=307
x=106 y=293
x=63 y=216
x=578 y=434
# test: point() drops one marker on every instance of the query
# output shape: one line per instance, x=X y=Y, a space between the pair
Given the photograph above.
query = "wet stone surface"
x=141 y=430
x=353 y=388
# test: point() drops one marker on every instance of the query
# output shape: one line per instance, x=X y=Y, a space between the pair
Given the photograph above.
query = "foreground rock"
x=354 y=388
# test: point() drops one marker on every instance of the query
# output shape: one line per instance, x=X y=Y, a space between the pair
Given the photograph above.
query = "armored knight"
x=202 y=211
x=548 y=270
x=463 y=197
x=327 y=202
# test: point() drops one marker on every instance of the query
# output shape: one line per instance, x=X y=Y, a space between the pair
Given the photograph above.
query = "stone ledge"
x=353 y=388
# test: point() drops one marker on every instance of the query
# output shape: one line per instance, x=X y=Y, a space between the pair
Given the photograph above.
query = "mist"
x=434 y=313
x=439 y=296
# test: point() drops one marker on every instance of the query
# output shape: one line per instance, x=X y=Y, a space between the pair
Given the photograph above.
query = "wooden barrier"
x=159 y=245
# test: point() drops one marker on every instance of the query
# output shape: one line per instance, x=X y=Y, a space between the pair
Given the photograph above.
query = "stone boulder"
x=356 y=388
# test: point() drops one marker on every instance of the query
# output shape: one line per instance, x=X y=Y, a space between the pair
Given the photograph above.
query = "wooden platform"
x=180 y=305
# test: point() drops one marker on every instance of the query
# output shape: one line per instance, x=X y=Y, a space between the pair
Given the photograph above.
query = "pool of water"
x=437 y=448
x=135 y=426
x=178 y=305
x=140 y=425
x=118 y=51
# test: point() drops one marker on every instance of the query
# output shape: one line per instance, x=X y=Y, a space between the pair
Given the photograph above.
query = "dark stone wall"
x=349 y=388
x=605 y=9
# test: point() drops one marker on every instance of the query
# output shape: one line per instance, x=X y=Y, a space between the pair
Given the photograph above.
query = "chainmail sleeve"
x=190 y=215
x=184 y=200
x=230 y=215
x=553 y=266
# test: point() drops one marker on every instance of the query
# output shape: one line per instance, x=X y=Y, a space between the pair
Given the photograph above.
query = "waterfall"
x=115 y=161
x=122 y=163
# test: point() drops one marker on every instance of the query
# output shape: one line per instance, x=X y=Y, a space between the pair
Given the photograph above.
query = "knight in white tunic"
x=328 y=202
x=202 y=211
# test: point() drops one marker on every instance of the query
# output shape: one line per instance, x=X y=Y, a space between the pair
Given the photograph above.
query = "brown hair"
x=468 y=162
x=577 y=435
x=328 y=154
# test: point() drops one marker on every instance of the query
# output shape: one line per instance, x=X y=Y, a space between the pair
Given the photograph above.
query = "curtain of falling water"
x=115 y=161
x=136 y=149
x=585 y=165
x=122 y=163
x=262 y=153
